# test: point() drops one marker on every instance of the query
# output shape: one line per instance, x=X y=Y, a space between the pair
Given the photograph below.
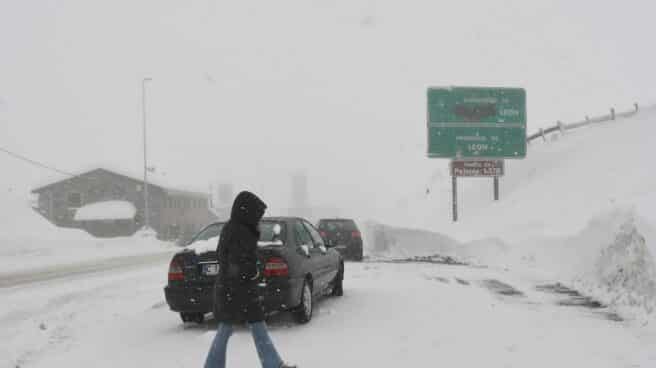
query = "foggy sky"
x=250 y=92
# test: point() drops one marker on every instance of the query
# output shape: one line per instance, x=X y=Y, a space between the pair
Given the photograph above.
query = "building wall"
x=183 y=215
x=58 y=203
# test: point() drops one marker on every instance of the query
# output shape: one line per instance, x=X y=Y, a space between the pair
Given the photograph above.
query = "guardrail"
x=561 y=127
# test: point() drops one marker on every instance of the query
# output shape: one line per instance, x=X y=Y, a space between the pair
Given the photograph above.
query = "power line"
x=35 y=163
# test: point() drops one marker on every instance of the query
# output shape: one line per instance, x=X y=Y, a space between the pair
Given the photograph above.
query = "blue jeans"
x=269 y=357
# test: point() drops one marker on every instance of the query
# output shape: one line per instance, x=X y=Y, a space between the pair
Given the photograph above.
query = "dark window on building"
x=74 y=199
x=118 y=191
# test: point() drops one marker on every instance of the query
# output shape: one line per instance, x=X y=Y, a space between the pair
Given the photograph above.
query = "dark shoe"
x=285 y=365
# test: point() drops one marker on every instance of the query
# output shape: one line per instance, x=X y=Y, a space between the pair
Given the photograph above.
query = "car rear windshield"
x=210 y=232
x=267 y=233
x=337 y=225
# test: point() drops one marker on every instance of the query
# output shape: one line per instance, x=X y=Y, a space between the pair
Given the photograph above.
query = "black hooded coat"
x=237 y=298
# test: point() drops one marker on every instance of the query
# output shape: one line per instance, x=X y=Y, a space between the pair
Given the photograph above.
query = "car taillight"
x=323 y=234
x=175 y=271
x=276 y=266
x=355 y=234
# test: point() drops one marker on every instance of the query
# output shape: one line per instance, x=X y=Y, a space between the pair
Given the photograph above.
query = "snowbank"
x=384 y=241
x=610 y=260
x=107 y=210
x=623 y=272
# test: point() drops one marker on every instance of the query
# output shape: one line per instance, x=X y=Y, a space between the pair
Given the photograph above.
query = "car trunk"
x=192 y=266
x=195 y=266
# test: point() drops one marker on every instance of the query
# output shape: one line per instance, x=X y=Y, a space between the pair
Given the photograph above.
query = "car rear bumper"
x=350 y=251
x=279 y=295
x=190 y=299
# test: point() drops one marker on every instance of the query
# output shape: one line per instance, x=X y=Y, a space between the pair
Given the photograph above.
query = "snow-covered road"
x=392 y=315
x=80 y=269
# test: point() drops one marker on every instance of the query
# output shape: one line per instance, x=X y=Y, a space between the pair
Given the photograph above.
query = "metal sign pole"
x=145 y=151
x=496 y=188
x=454 y=196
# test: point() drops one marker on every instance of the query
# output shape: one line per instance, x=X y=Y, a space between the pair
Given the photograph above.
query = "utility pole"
x=145 y=157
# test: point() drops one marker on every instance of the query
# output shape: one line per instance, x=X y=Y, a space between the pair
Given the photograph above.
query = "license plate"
x=210 y=269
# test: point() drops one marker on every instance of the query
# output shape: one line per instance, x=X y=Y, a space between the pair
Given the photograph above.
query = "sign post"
x=476 y=127
x=454 y=196
x=496 y=188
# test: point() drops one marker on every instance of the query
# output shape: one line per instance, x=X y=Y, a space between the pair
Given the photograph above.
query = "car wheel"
x=199 y=318
x=303 y=313
x=338 y=283
x=192 y=317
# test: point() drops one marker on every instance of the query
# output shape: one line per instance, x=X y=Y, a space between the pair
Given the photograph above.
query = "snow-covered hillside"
x=566 y=181
x=579 y=208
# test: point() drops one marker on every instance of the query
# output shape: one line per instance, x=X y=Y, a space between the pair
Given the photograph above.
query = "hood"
x=247 y=209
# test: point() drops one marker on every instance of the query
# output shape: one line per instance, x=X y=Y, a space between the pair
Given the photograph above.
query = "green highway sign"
x=476 y=122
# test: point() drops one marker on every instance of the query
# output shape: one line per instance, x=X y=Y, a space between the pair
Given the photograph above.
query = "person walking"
x=237 y=299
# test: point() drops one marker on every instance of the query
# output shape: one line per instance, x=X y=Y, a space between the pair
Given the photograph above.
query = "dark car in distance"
x=296 y=265
x=343 y=235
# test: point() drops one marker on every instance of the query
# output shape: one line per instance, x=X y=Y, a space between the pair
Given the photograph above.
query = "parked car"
x=343 y=235
x=297 y=268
